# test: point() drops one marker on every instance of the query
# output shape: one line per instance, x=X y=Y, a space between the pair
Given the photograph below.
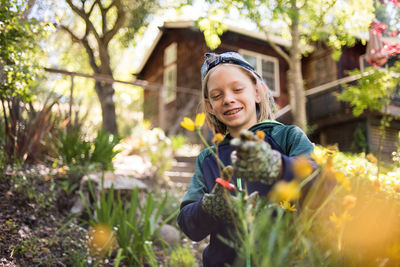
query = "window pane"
x=252 y=60
x=267 y=66
x=270 y=81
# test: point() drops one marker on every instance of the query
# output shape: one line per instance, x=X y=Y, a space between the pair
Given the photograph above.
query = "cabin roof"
x=191 y=24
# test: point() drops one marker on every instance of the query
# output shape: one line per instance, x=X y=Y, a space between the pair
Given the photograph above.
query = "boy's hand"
x=254 y=160
x=217 y=204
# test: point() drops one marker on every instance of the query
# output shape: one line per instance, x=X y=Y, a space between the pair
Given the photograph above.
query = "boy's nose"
x=228 y=98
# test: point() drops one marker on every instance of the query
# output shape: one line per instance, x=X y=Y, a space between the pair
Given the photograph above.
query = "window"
x=267 y=67
x=170 y=82
x=170 y=71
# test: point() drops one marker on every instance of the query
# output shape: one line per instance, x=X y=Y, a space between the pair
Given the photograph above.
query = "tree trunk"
x=105 y=93
x=296 y=88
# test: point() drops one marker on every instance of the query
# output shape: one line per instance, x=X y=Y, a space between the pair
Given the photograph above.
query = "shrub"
x=182 y=257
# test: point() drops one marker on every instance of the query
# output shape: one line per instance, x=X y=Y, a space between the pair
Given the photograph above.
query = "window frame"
x=170 y=64
x=259 y=57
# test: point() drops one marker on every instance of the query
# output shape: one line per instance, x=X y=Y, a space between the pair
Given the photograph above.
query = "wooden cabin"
x=175 y=58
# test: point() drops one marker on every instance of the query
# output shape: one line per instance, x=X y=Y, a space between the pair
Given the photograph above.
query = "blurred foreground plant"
x=133 y=225
x=341 y=214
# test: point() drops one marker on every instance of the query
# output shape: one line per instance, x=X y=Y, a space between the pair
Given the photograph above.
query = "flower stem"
x=209 y=148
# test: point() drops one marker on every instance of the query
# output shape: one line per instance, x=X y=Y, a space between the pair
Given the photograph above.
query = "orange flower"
x=47 y=178
x=302 y=167
x=101 y=239
x=349 y=201
x=260 y=135
x=371 y=158
x=218 y=138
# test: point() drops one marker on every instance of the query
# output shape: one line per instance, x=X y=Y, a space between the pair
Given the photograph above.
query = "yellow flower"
x=287 y=206
x=319 y=155
x=101 y=239
x=188 y=124
x=260 y=135
x=200 y=119
x=343 y=180
x=285 y=191
x=218 y=138
x=339 y=221
x=302 y=167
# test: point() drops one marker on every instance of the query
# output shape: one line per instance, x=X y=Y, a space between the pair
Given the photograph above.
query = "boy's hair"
x=264 y=109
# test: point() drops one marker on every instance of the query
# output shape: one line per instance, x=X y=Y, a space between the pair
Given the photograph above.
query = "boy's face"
x=232 y=98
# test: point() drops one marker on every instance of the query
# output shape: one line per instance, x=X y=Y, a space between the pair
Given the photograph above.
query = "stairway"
x=182 y=170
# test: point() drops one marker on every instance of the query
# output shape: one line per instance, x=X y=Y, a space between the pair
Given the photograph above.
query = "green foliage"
x=17 y=45
x=75 y=149
x=104 y=149
x=182 y=257
x=328 y=20
x=136 y=223
x=373 y=90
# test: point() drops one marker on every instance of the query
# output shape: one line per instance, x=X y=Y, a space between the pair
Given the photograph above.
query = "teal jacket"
x=290 y=141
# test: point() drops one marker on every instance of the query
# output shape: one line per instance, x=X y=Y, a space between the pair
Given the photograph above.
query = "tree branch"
x=121 y=15
x=85 y=43
x=81 y=13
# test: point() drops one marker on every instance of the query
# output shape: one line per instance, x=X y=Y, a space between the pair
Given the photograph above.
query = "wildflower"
x=319 y=155
x=302 y=167
x=188 y=124
x=343 y=180
x=377 y=184
x=101 y=238
x=287 y=206
x=397 y=188
x=371 y=158
x=62 y=170
x=200 y=119
x=357 y=170
x=286 y=191
x=349 y=201
x=260 y=135
x=47 y=178
x=339 y=221
x=218 y=138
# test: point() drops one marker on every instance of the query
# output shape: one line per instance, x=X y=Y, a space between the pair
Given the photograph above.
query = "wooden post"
x=71 y=97
x=161 y=107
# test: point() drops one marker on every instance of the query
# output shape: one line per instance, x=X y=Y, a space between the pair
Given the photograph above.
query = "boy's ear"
x=261 y=90
x=209 y=107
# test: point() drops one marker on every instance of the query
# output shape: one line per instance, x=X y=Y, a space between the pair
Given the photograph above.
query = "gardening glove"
x=218 y=203
x=254 y=159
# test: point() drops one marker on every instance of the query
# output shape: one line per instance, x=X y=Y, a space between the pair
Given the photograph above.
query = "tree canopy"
x=337 y=22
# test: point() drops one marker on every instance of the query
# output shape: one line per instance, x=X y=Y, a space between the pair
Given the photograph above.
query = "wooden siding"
x=389 y=141
x=191 y=50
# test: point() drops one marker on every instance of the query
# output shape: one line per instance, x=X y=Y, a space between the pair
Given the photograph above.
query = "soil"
x=30 y=226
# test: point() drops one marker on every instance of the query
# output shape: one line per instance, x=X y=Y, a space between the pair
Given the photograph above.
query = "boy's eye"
x=216 y=96
x=237 y=89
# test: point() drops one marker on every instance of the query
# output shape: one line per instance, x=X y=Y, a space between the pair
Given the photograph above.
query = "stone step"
x=182 y=169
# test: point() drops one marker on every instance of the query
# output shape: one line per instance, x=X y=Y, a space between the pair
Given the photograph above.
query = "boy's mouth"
x=232 y=111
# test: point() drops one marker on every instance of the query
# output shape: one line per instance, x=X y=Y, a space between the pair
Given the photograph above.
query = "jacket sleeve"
x=192 y=219
x=293 y=142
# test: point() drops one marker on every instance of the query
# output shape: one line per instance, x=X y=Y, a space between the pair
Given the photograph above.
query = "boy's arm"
x=192 y=219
